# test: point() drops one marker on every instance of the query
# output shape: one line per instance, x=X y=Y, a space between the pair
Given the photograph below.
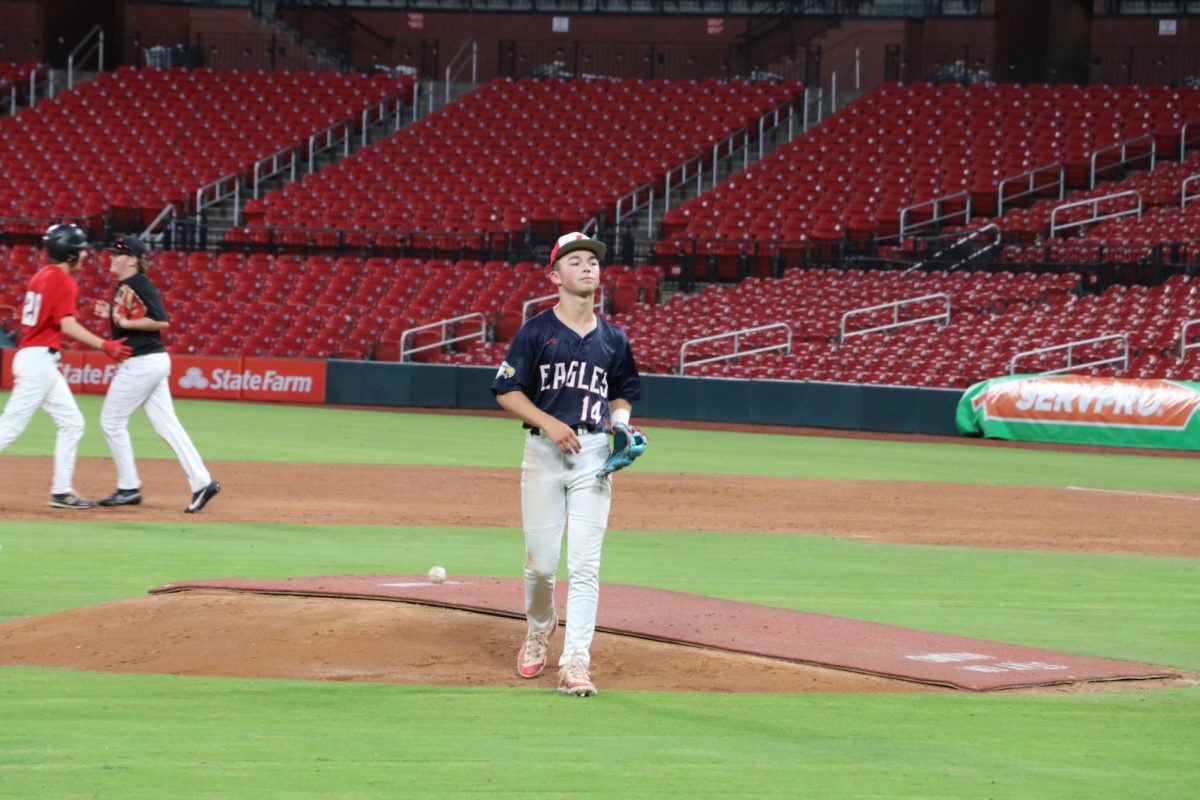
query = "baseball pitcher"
x=569 y=376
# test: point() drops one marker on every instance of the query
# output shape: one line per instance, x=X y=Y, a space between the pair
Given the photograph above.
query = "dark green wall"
x=841 y=406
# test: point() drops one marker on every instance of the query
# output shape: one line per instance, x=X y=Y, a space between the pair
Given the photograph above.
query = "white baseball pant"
x=555 y=489
x=142 y=382
x=37 y=383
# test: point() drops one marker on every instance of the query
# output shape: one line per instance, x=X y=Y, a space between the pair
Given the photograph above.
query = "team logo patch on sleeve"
x=506 y=370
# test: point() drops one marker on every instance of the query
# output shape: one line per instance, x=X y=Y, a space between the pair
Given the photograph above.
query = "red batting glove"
x=116 y=349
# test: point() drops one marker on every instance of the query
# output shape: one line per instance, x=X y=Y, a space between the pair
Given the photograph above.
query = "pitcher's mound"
x=741 y=628
x=240 y=634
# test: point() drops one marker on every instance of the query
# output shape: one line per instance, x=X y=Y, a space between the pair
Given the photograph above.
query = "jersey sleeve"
x=155 y=309
x=513 y=374
x=625 y=384
x=64 y=301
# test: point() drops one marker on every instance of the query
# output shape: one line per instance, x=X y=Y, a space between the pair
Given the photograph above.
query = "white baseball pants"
x=141 y=382
x=37 y=383
x=557 y=489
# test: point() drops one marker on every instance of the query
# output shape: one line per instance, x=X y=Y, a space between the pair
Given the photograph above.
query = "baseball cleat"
x=531 y=659
x=201 y=498
x=573 y=679
x=123 y=497
x=70 y=500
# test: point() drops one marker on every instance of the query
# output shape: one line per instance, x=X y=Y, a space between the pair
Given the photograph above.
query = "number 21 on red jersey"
x=32 y=309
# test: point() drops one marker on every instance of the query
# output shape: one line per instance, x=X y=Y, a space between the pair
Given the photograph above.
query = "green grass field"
x=67 y=734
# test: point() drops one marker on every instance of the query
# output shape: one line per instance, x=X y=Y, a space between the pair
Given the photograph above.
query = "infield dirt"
x=357 y=640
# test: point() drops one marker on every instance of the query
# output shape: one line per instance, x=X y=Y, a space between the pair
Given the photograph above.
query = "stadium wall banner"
x=1077 y=409
x=280 y=380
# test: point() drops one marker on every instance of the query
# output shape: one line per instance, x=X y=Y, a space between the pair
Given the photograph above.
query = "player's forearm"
x=620 y=410
x=71 y=327
x=143 y=324
x=521 y=407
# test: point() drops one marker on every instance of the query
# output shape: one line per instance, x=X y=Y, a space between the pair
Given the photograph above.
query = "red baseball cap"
x=577 y=241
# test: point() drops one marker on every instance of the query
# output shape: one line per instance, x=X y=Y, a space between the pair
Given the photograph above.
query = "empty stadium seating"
x=142 y=138
x=994 y=316
x=323 y=307
x=514 y=155
x=903 y=145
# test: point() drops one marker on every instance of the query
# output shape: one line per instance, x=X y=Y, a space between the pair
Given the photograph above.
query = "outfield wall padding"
x=838 y=406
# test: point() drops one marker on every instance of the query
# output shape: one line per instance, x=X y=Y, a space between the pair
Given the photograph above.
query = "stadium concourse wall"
x=840 y=406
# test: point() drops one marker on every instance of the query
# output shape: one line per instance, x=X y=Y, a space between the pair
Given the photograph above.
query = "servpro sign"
x=1084 y=410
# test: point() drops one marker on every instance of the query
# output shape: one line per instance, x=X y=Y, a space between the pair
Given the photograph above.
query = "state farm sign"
x=249 y=379
x=227 y=378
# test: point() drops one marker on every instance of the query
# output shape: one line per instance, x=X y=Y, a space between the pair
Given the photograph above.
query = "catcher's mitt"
x=628 y=443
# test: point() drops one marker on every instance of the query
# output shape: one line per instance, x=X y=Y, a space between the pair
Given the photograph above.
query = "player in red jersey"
x=47 y=315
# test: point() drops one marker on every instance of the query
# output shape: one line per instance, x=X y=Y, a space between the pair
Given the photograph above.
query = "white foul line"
x=1192 y=498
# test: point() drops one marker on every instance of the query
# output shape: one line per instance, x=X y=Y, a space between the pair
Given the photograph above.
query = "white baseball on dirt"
x=437 y=574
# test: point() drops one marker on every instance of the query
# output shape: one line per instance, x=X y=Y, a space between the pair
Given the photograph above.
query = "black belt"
x=580 y=430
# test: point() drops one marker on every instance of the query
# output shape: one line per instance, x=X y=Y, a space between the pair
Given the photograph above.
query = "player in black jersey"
x=137 y=313
x=567 y=376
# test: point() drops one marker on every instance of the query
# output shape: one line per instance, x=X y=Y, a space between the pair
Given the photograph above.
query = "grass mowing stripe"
x=1128 y=607
x=339 y=435
x=196 y=737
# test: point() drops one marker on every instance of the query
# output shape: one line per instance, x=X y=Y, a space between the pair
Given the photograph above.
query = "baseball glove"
x=628 y=443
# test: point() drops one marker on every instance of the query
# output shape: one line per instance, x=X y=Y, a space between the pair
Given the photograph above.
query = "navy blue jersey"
x=571 y=378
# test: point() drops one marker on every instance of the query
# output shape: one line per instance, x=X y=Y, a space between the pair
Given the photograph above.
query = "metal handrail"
x=820 y=99
x=785 y=346
x=346 y=127
x=833 y=80
x=936 y=203
x=597 y=302
x=47 y=80
x=451 y=69
x=1094 y=202
x=442 y=323
x=1183 y=137
x=97 y=46
x=896 y=322
x=590 y=227
x=682 y=168
x=788 y=107
x=1031 y=174
x=1069 y=346
x=381 y=109
x=1123 y=147
x=276 y=166
x=632 y=197
x=168 y=212
x=1184 y=197
x=729 y=140
x=220 y=191
x=1183 y=329
x=963 y=240
x=763 y=128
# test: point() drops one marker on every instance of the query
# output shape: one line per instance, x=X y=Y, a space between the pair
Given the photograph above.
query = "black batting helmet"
x=63 y=242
